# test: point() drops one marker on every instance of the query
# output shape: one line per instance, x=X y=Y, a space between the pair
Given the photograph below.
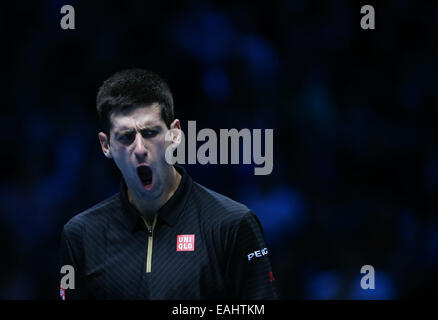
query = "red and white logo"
x=271 y=276
x=62 y=293
x=185 y=242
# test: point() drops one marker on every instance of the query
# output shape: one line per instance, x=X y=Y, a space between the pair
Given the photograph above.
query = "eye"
x=149 y=133
x=127 y=137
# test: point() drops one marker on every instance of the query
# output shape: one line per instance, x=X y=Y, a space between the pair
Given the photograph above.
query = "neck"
x=149 y=208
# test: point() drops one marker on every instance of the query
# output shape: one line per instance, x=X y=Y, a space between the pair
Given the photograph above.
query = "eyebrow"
x=146 y=126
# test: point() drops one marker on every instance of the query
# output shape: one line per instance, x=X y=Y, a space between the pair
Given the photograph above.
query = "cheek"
x=121 y=157
x=160 y=147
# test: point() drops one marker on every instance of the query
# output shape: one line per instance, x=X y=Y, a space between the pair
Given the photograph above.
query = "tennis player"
x=162 y=236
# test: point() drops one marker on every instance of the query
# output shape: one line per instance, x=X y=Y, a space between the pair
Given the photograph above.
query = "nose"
x=140 y=149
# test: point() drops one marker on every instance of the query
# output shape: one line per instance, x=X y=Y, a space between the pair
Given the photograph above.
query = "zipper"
x=150 y=243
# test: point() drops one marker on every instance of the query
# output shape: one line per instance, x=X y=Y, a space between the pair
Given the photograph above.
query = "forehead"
x=137 y=117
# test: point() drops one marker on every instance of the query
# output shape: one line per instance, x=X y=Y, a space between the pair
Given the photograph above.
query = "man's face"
x=137 y=144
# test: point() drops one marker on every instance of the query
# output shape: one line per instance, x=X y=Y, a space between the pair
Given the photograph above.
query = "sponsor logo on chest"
x=185 y=242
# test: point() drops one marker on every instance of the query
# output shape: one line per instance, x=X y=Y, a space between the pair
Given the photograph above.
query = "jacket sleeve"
x=72 y=275
x=248 y=272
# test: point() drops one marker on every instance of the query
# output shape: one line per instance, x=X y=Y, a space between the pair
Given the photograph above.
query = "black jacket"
x=203 y=246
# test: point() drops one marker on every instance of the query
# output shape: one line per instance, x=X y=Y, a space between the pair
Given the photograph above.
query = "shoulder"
x=92 y=218
x=218 y=208
x=225 y=221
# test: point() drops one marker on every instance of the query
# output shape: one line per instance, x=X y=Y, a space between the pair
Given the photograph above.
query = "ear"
x=175 y=124
x=175 y=132
x=104 y=144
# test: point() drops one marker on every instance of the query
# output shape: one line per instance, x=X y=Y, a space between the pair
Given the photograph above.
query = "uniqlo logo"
x=185 y=242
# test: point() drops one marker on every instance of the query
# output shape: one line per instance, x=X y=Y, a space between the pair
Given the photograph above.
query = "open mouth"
x=145 y=174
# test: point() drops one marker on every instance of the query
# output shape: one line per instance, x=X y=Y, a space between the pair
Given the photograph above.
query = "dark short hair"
x=133 y=88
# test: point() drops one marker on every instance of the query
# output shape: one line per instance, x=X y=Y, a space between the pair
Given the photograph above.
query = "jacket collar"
x=168 y=213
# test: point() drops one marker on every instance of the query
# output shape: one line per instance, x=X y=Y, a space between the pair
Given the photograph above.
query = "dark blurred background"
x=354 y=114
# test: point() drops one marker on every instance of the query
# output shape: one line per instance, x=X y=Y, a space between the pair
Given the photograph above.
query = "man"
x=163 y=236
